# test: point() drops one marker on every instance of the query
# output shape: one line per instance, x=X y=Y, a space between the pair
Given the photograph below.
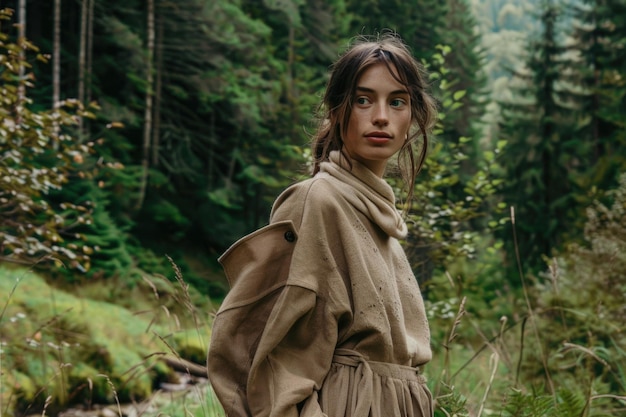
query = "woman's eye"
x=362 y=100
x=397 y=102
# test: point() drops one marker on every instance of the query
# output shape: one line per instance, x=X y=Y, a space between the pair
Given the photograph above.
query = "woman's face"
x=380 y=118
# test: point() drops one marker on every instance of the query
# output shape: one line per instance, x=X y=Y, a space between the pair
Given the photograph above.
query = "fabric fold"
x=369 y=193
x=358 y=387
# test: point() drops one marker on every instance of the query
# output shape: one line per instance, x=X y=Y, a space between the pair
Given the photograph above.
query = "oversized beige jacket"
x=346 y=328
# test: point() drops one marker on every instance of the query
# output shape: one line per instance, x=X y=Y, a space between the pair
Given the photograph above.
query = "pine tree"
x=418 y=22
x=465 y=63
x=543 y=148
x=464 y=83
x=600 y=30
x=97 y=236
x=214 y=99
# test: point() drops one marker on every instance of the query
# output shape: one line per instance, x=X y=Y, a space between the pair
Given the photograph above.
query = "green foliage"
x=584 y=297
x=100 y=238
x=200 y=401
x=69 y=348
x=25 y=391
x=545 y=152
x=38 y=153
x=465 y=75
x=564 y=403
x=530 y=405
x=451 y=403
x=191 y=345
x=232 y=110
x=563 y=354
x=599 y=30
x=86 y=384
x=443 y=222
x=421 y=24
x=505 y=26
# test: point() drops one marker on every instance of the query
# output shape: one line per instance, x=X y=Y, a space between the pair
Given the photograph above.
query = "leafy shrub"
x=37 y=155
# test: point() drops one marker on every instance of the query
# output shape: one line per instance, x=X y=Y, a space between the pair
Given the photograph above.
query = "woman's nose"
x=380 y=116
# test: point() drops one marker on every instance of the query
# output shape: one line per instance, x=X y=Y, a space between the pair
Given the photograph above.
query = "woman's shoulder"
x=317 y=189
x=318 y=194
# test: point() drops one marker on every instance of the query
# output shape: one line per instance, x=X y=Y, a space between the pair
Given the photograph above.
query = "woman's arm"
x=294 y=355
x=296 y=349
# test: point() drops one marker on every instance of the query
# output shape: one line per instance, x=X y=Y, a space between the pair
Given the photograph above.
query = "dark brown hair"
x=337 y=102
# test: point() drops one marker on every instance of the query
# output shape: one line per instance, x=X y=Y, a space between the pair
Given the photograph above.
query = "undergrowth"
x=558 y=350
x=60 y=349
x=554 y=347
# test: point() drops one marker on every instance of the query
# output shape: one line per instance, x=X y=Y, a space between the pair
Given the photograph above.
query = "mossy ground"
x=60 y=347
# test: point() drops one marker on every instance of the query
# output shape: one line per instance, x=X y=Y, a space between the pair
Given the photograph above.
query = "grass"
x=200 y=401
x=59 y=348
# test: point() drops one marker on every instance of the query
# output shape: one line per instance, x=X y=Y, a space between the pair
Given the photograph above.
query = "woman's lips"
x=378 y=138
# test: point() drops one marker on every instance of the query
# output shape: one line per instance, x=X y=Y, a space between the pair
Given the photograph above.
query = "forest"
x=139 y=139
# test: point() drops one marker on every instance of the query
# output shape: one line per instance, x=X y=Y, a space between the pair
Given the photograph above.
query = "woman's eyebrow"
x=370 y=90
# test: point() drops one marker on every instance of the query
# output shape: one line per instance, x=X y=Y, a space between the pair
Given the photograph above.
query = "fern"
x=450 y=402
x=520 y=404
x=569 y=404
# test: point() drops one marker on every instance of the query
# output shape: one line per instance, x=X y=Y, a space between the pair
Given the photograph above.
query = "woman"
x=325 y=317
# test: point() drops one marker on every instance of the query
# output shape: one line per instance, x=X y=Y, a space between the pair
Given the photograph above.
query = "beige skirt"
x=356 y=387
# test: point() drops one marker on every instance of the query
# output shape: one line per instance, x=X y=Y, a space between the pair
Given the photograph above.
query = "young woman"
x=324 y=316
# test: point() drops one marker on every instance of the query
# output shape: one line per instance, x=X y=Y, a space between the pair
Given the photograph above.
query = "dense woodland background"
x=138 y=137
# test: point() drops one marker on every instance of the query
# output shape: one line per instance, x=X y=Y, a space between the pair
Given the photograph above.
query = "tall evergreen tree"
x=465 y=63
x=543 y=148
x=215 y=98
x=419 y=22
x=464 y=85
x=599 y=34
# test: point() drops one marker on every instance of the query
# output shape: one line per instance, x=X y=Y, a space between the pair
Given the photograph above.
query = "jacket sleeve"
x=257 y=268
x=296 y=348
x=293 y=357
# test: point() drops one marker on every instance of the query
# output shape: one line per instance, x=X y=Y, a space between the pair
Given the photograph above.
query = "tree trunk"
x=291 y=88
x=88 y=69
x=56 y=56
x=147 y=126
x=157 y=92
x=22 y=37
x=84 y=7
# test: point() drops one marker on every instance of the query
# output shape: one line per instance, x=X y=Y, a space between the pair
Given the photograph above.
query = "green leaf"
x=459 y=94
